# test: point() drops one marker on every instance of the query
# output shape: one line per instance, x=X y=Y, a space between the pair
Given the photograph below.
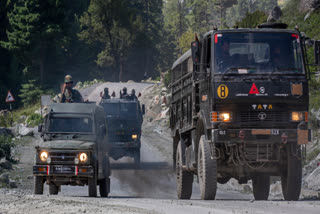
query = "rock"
x=5 y=164
x=313 y=180
x=30 y=177
x=309 y=5
x=4 y=178
x=24 y=131
x=247 y=188
x=13 y=184
x=276 y=189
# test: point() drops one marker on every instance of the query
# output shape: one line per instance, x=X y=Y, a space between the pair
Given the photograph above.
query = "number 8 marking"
x=222 y=91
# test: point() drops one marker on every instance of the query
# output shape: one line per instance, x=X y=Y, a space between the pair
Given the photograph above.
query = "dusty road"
x=150 y=189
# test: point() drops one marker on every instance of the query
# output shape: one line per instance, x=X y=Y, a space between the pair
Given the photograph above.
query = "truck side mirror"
x=143 y=109
x=317 y=52
x=40 y=127
x=195 y=51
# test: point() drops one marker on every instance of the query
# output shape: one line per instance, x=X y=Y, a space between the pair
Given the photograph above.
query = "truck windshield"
x=122 y=110
x=257 y=52
x=70 y=125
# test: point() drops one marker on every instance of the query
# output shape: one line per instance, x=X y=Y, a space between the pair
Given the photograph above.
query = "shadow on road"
x=142 y=166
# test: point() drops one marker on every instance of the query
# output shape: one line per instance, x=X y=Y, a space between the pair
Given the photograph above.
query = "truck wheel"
x=104 y=187
x=53 y=189
x=261 y=187
x=92 y=185
x=184 y=178
x=38 y=185
x=292 y=176
x=136 y=157
x=207 y=170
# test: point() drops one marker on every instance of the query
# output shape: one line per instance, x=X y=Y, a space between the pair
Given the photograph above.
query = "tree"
x=110 y=24
x=252 y=20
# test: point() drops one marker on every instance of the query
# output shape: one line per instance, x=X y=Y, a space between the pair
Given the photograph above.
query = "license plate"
x=63 y=169
x=261 y=132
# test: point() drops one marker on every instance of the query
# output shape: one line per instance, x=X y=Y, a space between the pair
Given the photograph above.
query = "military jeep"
x=124 y=119
x=73 y=151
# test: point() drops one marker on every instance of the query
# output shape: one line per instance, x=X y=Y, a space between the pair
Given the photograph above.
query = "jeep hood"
x=66 y=145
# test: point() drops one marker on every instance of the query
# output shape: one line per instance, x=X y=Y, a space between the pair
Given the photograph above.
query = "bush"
x=34 y=120
x=30 y=93
x=5 y=147
x=167 y=78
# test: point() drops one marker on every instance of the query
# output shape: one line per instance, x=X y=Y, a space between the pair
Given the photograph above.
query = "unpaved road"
x=150 y=189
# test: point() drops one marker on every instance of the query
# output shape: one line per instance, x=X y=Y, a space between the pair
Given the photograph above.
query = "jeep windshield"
x=121 y=110
x=80 y=125
x=257 y=52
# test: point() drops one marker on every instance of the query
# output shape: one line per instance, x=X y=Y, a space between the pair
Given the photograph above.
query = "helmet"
x=106 y=90
x=124 y=89
x=133 y=91
x=68 y=79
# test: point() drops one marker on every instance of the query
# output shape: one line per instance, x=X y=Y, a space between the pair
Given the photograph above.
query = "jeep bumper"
x=63 y=170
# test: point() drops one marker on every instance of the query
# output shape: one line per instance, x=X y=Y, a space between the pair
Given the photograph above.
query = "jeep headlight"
x=83 y=157
x=43 y=156
x=297 y=116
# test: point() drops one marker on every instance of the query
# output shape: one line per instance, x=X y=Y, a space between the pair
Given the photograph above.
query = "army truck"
x=74 y=150
x=124 y=121
x=239 y=110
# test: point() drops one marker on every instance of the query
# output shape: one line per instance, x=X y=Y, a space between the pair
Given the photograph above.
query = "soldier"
x=124 y=94
x=133 y=95
x=68 y=94
x=106 y=94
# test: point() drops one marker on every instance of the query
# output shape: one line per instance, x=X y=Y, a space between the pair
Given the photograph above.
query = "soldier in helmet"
x=106 y=94
x=124 y=94
x=133 y=95
x=68 y=94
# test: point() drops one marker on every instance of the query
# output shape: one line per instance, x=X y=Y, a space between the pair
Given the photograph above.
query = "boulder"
x=4 y=178
x=13 y=184
x=313 y=179
x=274 y=14
x=24 y=131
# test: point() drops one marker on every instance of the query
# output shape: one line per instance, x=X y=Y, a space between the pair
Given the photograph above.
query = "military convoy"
x=239 y=109
x=124 y=121
x=74 y=149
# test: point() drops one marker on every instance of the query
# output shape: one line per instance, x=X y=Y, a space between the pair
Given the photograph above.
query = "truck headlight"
x=43 y=156
x=134 y=136
x=224 y=116
x=83 y=157
x=297 y=116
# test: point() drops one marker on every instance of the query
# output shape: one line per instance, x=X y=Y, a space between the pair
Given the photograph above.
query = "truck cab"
x=239 y=110
x=73 y=149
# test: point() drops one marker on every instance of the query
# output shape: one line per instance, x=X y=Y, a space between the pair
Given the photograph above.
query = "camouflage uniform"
x=69 y=95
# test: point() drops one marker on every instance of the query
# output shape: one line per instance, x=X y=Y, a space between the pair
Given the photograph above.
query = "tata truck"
x=239 y=109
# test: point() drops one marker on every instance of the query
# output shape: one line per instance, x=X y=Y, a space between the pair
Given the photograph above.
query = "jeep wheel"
x=207 y=170
x=53 y=189
x=292 y=177
x=261 y=187
x=104 y=187
x=184 y=178
x=92 y=186
x=136 y=157
x=38 y=185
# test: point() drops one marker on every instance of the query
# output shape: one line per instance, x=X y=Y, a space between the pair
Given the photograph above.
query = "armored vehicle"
x=124 y=121
x=74 y=150
x=239 y=109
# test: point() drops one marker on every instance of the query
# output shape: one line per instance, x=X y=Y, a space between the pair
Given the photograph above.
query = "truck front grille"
x=254 y=118
x=62 y=157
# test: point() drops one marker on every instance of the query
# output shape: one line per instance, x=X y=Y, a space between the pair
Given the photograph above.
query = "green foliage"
x=252 y=20
x=5 y=147
x=34 y=120
x=167 y=78
x=30 y=93
x=312 y=155
x=185 y=40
